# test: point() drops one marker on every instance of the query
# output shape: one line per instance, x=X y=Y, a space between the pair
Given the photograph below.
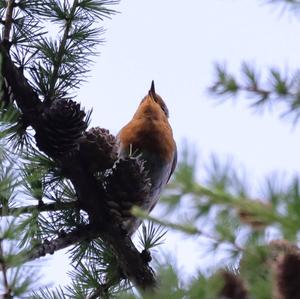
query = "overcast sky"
x=176 y=43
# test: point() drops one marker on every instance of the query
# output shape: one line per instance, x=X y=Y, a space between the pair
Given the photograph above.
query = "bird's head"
x=153 y=105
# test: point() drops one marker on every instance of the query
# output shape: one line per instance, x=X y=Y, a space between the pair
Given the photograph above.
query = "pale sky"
x=176 y=43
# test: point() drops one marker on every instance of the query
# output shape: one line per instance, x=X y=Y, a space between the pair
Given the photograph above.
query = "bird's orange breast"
x=149 y=130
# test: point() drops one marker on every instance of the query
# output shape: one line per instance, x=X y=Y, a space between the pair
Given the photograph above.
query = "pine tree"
x=63 y=186
x=61 y=182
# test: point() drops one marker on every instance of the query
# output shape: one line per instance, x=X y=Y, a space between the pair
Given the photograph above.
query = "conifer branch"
x=187 y=229
x=26 y=97
x=57 y=206
x=7 y=293
x=61 y=51
x=86 y=185
x=292 y=3
x=131 y=262
x=83 y=233
x=278 y=88
x=88 y=190
x=8 y=21
x=256 y=208
x=100 y=292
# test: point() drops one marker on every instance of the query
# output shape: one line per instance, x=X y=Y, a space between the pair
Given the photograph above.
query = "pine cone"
x=98 y=149
x=127 y=185
x=61 y=126
x=286 y=267
x=234 y=287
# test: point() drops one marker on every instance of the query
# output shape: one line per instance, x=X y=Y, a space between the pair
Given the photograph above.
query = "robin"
x=150 y=135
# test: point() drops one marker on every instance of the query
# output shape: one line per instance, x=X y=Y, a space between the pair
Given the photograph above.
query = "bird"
x=149 y=133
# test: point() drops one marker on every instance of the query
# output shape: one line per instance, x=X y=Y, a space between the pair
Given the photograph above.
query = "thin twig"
x=8 y=20
x=4 y=272
x=265 y=213
x=61 y=51
x=83 y=233
x=27 y=99
x=192 y=230
x=57 y=206
x=100 y=292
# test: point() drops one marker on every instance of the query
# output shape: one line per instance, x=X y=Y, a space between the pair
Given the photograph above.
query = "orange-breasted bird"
x=150 y=135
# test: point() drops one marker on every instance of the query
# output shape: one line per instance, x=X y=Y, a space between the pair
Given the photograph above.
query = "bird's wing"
x=174 y=163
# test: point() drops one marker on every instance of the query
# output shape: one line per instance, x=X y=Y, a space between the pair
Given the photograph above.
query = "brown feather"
x=149 y=130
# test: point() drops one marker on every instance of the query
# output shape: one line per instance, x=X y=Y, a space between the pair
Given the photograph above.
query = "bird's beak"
x=152 y=90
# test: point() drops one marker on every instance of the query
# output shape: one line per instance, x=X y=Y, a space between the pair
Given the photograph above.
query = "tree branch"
x=27 y=99
x=4 y=273
x=131 y=262
x=57 y=206
x=90 y=194
x=185 y=228
x=8 y=21
x=61 y=51
x=100 y=292
x=65 y=240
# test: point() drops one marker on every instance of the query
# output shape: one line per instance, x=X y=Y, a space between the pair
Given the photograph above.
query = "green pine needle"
x=151 y=235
